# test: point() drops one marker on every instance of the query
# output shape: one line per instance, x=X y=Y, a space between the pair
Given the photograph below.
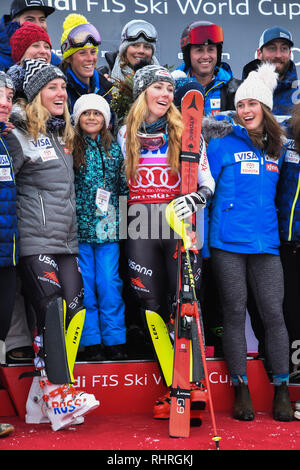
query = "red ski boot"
x=161 y=408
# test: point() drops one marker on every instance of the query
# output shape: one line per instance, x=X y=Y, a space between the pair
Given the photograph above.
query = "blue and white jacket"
x=8 y=213
x=75 y=87
x=243 y=214
x=218 y=95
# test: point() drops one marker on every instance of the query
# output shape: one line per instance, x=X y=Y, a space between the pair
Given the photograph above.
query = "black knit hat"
x=37 y=74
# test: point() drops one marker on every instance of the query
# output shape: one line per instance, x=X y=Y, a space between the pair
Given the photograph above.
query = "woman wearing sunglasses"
x=138 y=42
x=151 y=141
x=79 y=47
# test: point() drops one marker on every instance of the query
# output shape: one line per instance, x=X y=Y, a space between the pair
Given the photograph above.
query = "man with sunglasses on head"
x=275 y=46
x=201 y=45
x=34 y=11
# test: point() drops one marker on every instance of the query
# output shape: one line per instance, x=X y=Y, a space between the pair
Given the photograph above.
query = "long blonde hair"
x=136 y=116
x=37 y=117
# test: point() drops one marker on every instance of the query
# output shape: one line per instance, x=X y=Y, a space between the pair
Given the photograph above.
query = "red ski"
x=188 y=312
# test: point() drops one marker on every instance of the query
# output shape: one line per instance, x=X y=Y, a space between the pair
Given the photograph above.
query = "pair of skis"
x=188 y=342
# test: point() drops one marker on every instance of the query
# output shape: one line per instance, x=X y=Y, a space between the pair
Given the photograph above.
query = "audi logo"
x=156 y=177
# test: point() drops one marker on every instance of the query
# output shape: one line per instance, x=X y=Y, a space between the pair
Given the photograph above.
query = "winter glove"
x=187 y=205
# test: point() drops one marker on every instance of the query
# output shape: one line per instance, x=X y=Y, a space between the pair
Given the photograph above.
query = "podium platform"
x=131 y=387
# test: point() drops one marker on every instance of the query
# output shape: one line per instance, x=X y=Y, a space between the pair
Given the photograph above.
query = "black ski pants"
x=7 y=295
x=151 y=250
x=46 y=277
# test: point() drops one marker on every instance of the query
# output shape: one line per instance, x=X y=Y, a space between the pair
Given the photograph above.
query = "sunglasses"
x=80 y=36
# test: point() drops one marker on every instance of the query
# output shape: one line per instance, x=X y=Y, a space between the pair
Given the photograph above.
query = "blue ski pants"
x=105 y=309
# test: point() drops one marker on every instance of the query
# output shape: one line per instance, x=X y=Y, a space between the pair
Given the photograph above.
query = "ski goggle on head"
x=80 y=36
x=203 y=34
x=152 y=141
x=137 y=28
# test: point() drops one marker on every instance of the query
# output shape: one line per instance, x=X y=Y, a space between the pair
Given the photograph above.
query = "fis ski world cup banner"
x=243 y=22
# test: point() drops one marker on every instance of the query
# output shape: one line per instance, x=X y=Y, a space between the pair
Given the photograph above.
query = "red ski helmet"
x=201 y=32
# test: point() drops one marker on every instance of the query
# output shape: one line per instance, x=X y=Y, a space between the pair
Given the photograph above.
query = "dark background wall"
x=242 y=22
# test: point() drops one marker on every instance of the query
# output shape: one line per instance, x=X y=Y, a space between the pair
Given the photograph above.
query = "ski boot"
x=36 y=408
x=161 y=409
x=63 y=403
x=282 y=408
x=198 y=403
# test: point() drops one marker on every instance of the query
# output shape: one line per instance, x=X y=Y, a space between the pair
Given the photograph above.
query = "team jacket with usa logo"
x=288 y=191
x=243 y=214
x=8 y=214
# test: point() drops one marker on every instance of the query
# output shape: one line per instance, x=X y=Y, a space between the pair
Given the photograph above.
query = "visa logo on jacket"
x=41 y=142
x=242 y=156
x=4 y=161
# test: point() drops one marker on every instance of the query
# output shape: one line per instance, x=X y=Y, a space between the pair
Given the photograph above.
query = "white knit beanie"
x=259 y=85
x=91 y=101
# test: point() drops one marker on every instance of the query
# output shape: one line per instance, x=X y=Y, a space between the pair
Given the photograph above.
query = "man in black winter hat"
x=35 y=11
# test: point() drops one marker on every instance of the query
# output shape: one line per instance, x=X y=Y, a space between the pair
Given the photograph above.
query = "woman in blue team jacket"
x=8 y=224
x=244 y=240
x=8 y=217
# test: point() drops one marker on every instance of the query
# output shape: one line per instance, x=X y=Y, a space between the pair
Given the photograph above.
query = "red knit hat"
x=26 y=35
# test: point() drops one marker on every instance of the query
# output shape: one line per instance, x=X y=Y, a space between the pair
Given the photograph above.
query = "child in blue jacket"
x=244 y=238
x=99 y=183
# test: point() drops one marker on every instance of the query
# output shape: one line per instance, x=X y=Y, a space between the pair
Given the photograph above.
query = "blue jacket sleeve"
x=215 y=162
x=215 y=158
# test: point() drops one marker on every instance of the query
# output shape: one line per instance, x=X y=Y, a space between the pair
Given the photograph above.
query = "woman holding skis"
x=151 y=142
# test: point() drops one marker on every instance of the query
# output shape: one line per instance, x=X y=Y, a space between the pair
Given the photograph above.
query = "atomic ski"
x=188 y=327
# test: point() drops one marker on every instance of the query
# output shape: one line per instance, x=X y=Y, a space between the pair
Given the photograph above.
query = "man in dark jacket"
x=275 y=46
x=201 y=44
x=35 y=11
